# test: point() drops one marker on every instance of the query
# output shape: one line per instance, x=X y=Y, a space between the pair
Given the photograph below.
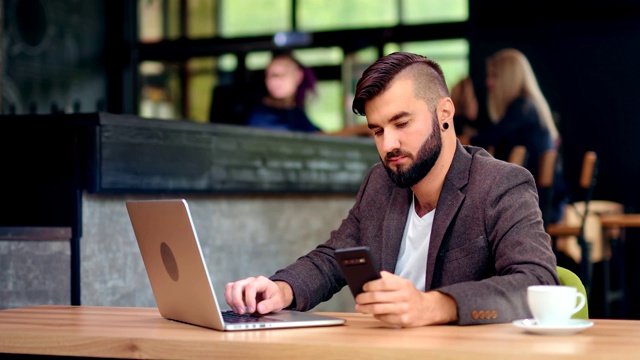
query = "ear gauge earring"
x=445 y=126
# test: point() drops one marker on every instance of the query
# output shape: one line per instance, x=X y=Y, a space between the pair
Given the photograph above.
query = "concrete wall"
x=240 y=236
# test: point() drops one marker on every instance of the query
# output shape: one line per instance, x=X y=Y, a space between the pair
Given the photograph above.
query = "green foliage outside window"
x=254 y=17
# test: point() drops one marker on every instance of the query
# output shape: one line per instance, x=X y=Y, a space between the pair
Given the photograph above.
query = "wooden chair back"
x=518 y=155
x=587 y=182
x=544 y=182
x=547 y=168
x=589 y=170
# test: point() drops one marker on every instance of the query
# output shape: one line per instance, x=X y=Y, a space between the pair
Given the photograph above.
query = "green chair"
x=569 y=278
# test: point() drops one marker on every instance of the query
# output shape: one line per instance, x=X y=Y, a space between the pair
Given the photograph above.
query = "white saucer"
x=572 y=327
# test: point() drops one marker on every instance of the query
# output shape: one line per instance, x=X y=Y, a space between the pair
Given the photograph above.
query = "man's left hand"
x=394 y=300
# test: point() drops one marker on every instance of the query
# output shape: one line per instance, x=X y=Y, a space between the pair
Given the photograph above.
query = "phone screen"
x=357 y=266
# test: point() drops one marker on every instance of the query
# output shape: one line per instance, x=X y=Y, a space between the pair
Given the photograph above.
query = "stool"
x=613 y=235
x=567 y=235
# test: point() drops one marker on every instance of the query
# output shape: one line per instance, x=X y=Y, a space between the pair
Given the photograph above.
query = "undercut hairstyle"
x=427 y=77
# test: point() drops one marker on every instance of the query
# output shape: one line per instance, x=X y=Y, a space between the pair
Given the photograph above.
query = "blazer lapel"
x=449 y=202
x=395 y=221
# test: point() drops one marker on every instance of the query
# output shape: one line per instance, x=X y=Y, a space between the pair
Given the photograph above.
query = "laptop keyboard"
x=231 y=317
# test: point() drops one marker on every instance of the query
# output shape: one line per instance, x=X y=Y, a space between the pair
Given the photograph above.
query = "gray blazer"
x=487 y=242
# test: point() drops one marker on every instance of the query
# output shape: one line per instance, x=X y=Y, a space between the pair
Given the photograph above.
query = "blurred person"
x=521 y=116
x=456 y=233
x=288 y=84
x=464 y=99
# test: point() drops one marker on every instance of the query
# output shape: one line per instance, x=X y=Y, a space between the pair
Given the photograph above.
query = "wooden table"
x=120 y=332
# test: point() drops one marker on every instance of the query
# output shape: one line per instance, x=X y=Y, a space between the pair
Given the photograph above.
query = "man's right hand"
x=258 y=294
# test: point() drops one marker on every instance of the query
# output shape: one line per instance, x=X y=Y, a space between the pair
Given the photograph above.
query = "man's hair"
x=428 y=80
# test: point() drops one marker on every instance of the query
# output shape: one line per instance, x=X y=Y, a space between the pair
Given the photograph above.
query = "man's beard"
x=424 y=162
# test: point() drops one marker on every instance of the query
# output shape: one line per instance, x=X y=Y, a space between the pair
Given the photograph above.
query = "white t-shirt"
x=412 y=260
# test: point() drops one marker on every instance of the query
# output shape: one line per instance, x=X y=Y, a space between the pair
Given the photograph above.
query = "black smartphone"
x=357 y=266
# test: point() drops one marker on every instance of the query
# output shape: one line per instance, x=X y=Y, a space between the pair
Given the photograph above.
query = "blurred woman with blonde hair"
x=520 y=115
x=509 y=76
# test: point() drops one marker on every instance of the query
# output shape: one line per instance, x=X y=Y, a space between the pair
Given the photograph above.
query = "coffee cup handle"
x=582 y=300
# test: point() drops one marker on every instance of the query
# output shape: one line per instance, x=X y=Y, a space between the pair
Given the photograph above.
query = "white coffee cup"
x=553 y=305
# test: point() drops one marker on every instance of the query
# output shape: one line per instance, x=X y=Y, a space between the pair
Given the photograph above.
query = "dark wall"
x=52 y=56
x=586 y=60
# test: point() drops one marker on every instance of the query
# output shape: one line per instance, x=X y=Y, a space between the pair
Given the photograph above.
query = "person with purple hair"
x=288 y=82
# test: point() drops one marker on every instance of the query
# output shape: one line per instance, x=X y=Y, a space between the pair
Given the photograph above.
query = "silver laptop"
x=179 y=278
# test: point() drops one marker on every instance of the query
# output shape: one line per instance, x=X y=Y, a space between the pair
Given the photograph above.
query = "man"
x=458 y=234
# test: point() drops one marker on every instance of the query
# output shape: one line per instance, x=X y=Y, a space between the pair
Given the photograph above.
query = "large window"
x=317 y=15
x=429 y=12
x=183 y=89
x=452 y=55
x=254 y=17
x=263 y=17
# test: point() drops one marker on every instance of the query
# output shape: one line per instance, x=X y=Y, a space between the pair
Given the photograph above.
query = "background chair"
x=586 y=184
x=569 y=278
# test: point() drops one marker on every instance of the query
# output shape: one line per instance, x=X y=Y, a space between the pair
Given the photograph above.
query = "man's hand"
x=257 y=294
x=396 y=301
